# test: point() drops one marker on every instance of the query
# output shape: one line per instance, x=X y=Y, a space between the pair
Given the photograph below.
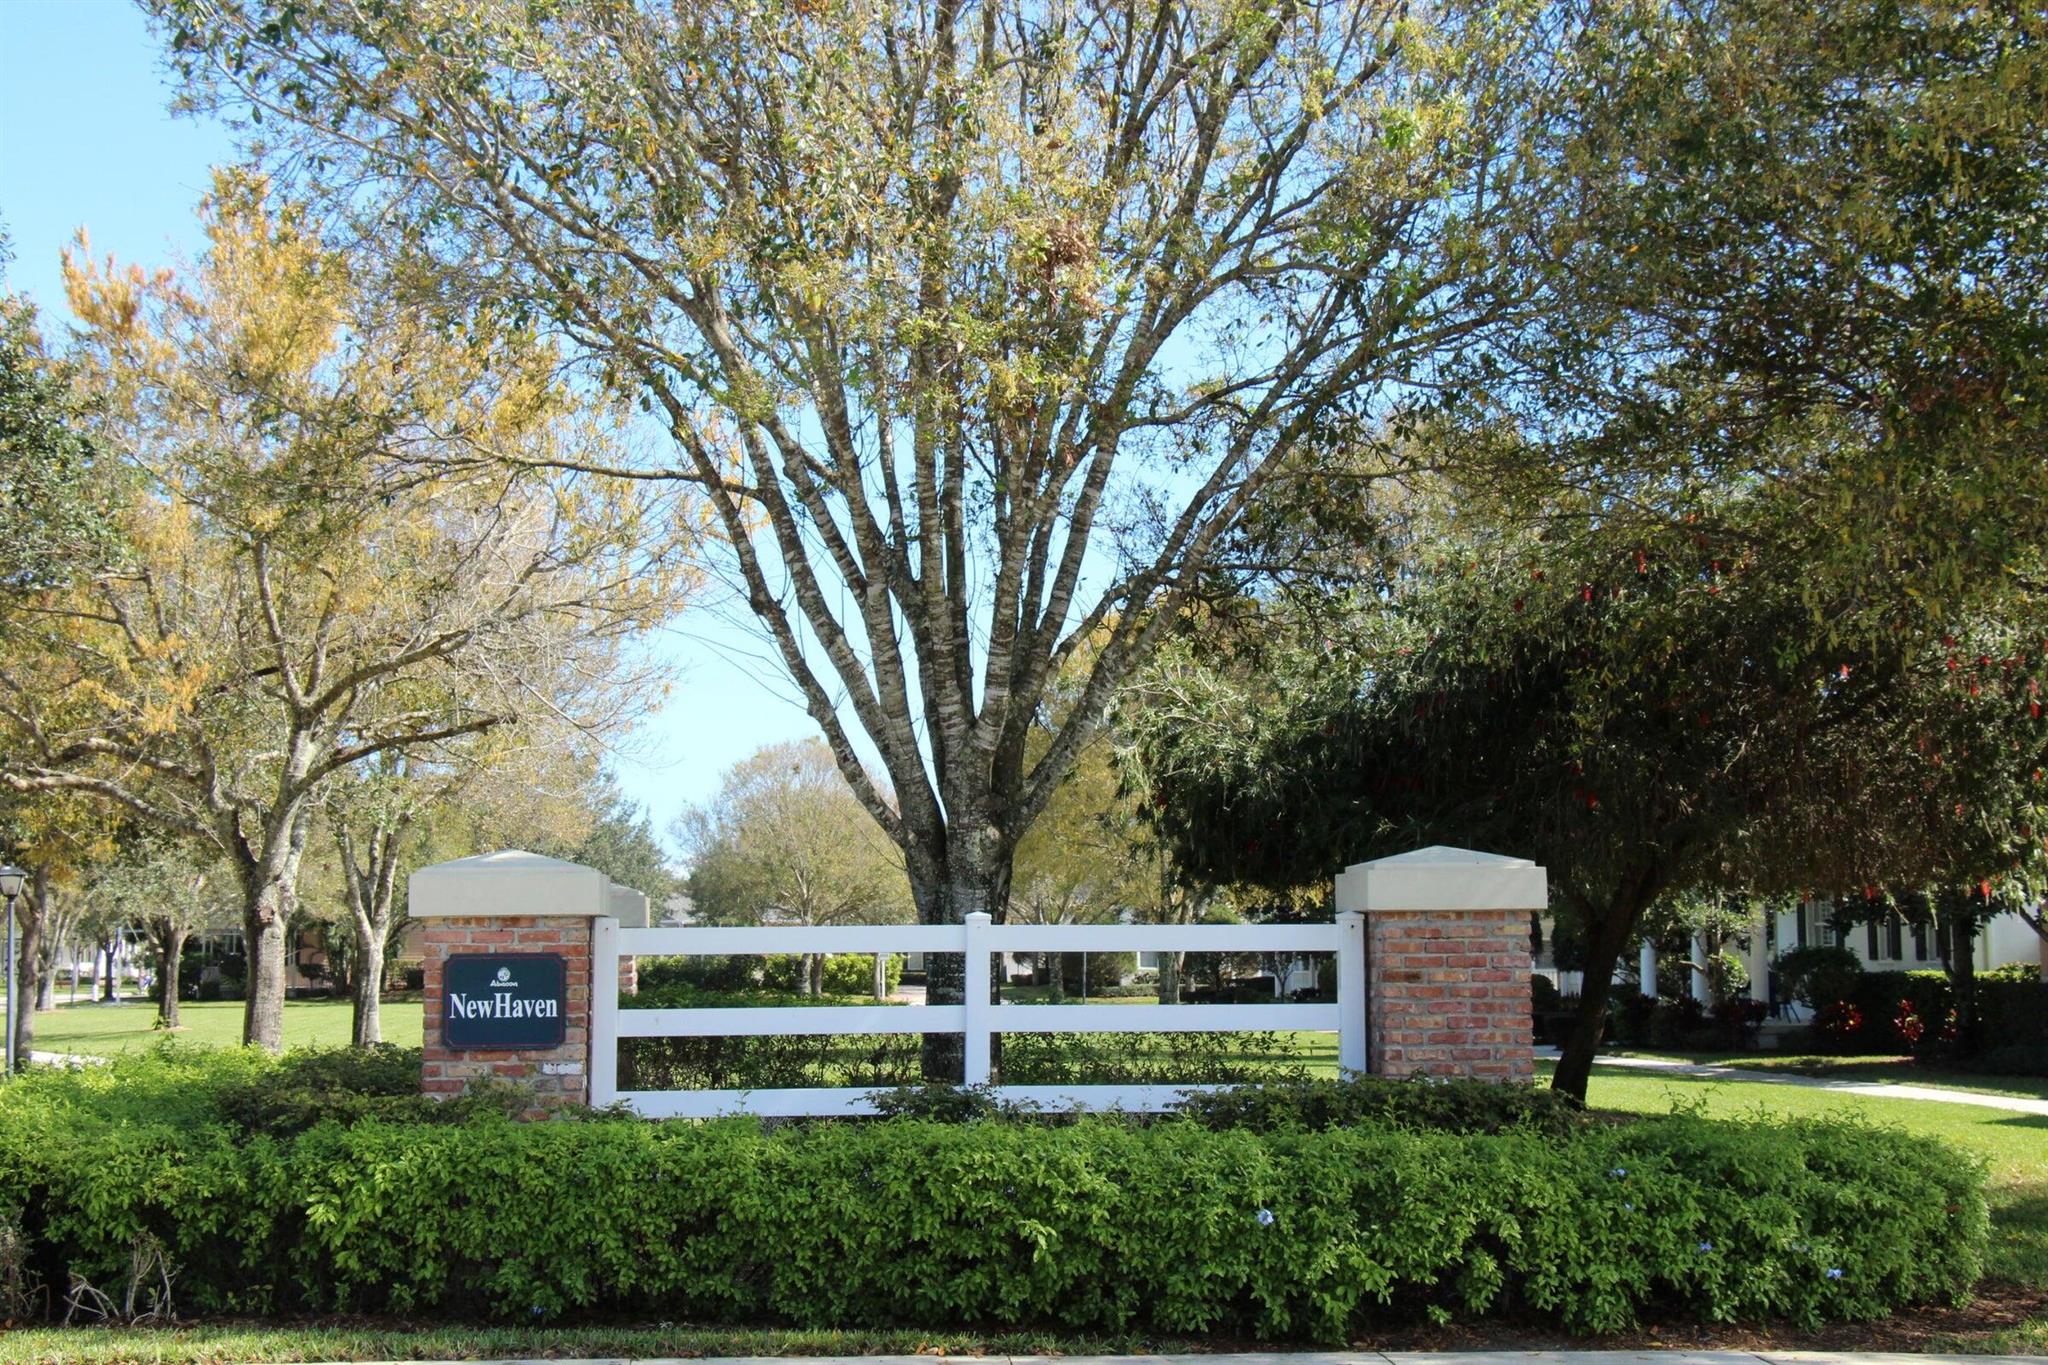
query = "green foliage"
x=1419 y=1104
x=621 y=844
x=1173 y=1227
x=758 y=979
x=1094 y=972
x=56 y=487
x=1818 y=975
x=1145 y=1058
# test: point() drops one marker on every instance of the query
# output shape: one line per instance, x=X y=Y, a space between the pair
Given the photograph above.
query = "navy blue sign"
x=504 y=1000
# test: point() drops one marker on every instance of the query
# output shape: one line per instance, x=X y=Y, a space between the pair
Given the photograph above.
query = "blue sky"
x=86 y=140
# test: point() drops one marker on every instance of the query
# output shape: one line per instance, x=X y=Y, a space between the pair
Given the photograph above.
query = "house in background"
x=1893 y=946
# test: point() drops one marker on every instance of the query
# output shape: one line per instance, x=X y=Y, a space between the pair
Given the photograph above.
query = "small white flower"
x=1267 y=1218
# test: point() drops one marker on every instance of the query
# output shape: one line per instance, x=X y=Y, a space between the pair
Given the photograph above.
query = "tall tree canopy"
x=978 y=321
x=318 y=569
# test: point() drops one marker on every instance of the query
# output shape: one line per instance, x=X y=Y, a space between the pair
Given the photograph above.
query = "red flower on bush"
x=1909 y=1024
x=1840 y=1022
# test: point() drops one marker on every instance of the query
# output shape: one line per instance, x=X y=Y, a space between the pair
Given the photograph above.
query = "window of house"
x=1870 y=940
x=1919 y=943
x=1894 y=940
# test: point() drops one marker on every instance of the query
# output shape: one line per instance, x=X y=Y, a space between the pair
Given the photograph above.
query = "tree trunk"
x=270 y=886
x=368 y=990
x=1603 y=953
x=108 y=947
x=32 y=982
x=881 y=976
x=53 y=928
x=170 y=943
x=1169 y=978
x=1962 y=935
x=977 y=881
x=264 y=917
x=372 y=893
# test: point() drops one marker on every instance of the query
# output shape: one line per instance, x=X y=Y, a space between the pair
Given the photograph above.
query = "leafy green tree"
x=621 y=844
x=979 y=324
x=56 y=520
x=171 y=887
x=786 y=841
x=1644 y=722
x=309 y=584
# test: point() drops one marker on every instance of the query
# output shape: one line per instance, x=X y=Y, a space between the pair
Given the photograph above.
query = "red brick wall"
x=1448 y=993
x=629 y=976
x=445 y=1072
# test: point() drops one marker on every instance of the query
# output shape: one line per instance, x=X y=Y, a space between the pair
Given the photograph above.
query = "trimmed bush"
x=1171 y=1227
x=1446 y=1106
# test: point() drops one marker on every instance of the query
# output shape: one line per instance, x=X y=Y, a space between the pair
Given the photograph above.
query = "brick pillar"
x=1447 y=961
x=556 y=1075
x=510 y=921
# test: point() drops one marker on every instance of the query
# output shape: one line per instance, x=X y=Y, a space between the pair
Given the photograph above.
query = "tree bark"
x=270 y=886
x=32 y=982
x=881 y=976
x=263 y=937
x=372 y=893
x=1603 y=953
x=977 y=880
x=170 y=944
x=367 y=991
x=1962 y=934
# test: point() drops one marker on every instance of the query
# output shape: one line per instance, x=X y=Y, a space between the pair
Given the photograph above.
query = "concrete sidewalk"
x=1674 y=1357
x=2014 y=1104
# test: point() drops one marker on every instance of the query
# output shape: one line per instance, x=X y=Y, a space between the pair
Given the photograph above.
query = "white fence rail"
x=977 y=1019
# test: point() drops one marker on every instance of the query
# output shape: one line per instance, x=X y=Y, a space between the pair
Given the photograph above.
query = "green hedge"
x=1097 y=1225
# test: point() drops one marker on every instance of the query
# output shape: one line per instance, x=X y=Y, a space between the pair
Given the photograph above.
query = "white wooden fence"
x=977 y=1019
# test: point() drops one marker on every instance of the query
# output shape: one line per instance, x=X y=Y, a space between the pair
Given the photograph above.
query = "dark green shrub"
x=710 y=973
x=1447 y=1106
x=950 y=1104
x=1145 y=1058
x=770 y=1063
x=1093 y=1226
x=1818 y=976
x=1095 y=972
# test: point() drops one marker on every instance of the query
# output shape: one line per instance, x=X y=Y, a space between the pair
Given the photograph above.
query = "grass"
x=1871 y=1070
x=96 y=1030
x=209 y=1345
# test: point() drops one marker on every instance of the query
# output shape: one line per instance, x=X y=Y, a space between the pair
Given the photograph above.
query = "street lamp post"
x=12 y=880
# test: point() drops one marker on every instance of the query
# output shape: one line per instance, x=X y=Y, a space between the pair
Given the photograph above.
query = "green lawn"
x=1871 y=1070
x=101 y=1030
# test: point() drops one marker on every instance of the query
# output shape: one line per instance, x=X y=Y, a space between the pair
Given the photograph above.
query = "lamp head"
x=12 y=879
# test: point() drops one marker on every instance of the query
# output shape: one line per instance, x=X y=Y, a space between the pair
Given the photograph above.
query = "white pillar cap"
x=1439 y=878
x=505 y=884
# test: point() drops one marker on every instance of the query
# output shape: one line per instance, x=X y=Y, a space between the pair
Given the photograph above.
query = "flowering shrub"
x=1839 y=1026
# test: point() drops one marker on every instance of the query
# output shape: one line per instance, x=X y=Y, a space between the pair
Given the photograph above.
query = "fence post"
x=974 y=999
x=604 y=1011
x=1351 y=993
